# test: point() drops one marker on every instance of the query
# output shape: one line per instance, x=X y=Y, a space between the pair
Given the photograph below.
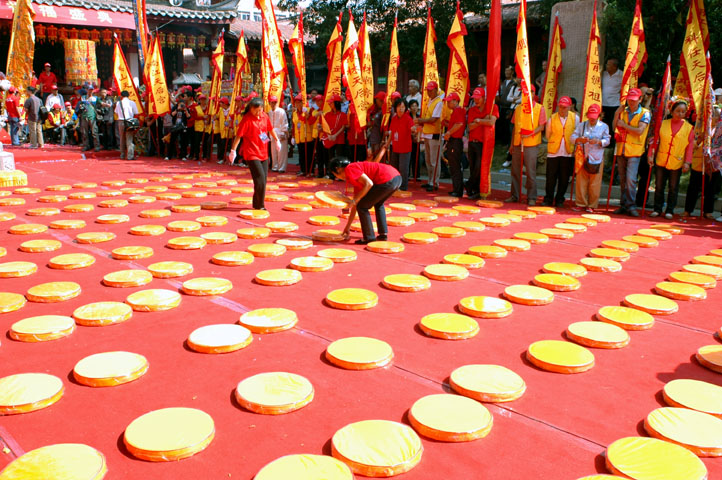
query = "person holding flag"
x=594 y=137
x=332 y=126
x=453 y=138
x=302 y=128
x=525 y=142
x=674 y=156
x=632 y=123
x=560 y=151
x=481 y=131
x=431 y=133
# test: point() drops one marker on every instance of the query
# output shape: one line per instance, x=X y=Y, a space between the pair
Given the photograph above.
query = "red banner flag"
x=636 y=53
x=593 y=81
x=660 y=110
x=493 y=57
x=295 y=44
x=554 y=66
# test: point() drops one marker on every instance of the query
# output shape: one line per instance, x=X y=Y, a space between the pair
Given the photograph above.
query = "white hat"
x=718 y=91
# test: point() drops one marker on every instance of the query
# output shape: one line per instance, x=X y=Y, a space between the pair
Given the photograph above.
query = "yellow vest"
x=672 y=147
x=633 y=145
x=52 y=118
x=435 y=127
x=199 y=124
x=530 y=141
x=302 y=131
x=557 y=131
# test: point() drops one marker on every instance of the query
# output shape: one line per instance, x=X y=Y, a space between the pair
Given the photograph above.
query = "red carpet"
x=558 y=429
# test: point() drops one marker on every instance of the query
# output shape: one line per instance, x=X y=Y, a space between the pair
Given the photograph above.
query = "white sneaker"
x=718 y=219
x=668 y=216
x=506 y=164
x=654 y=214
x=166 y=159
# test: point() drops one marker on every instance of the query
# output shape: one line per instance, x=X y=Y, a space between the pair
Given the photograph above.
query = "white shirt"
x=279 y=121
x=54 y=98
x=611 y=88
x=126 y=109
x=514 y=96
x=416 y=97
x=563 y=152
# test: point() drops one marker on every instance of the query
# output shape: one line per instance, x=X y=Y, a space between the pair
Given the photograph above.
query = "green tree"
x=664 y=26
x=320 y=16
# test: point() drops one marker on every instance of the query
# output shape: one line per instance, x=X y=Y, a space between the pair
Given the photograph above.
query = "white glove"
x=278 y=145
x=231 y=156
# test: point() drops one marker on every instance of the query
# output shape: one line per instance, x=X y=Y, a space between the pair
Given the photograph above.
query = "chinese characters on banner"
x=391 y=79
x=522 y=69
x=80 y=61
x=554 y=67
x=352 y=72
x=431 y=68
x=458 y=73
x=121 y=76
x=593 y=82
x=333 y=53
x=636 y=53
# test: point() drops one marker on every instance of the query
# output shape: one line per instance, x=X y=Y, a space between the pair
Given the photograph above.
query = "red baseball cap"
x=478 y=93
x=565 y=102
x=299 y=97
x=273 y=98
x=54 y=87
x=432 y=85
x=395 y=95
x=224 y=100
x=239 y=98
x=202 y=97
x=381 y=95
x=594 y=111
x=452 y=96
x=68 y=104
x=634 y=94
x=46 y=65
x=56 y=105
x=12 y=90
x=335 y=98
x=318 y=98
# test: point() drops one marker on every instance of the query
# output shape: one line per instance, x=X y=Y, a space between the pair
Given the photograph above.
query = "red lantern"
x=181 y=40
x=170 y=39
x=161 y=37
x=52 y=33
x=95 y=35
x=73 y=34
x=84 y=34
x=63 y=33
x=128 y=36
x=40 y=32
x=107 y=36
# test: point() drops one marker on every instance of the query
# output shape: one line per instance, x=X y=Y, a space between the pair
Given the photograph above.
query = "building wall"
x=575 y=19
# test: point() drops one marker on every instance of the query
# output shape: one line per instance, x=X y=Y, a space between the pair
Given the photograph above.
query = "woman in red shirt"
x=333 y=139
x=256 y=132
x=373 y=184
x=400 y=130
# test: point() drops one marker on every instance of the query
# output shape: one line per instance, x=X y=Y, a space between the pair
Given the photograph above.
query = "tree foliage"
x=320 y=16
x=664 y=25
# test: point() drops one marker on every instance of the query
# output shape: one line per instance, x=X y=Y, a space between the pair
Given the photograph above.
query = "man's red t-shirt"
x=11 y=104
x=255 y=134
x=378 y=173
x=336 y=121
x=458 y=116
x=47 y=80
x=482 y=132
x=400 y=129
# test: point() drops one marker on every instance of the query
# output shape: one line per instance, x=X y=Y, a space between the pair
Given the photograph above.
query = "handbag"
x=580 y=158
x=129 y=123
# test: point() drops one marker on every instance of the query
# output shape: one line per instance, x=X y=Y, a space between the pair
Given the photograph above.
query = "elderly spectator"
x=594 y=136
x=414 y=93
x=611 y=89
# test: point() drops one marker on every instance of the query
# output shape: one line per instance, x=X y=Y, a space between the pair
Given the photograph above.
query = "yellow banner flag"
x=241 y=69
x=391 y=79
x=295 y=44
x=457 y=76
x=22 y=46
x=367 y=71
x=681 y=86
x=522 y=69
x=122 y=77
x=272 y=82
x=554 y=67
x=217 y=64
x=352 y=72
x=274 y=45
x=334 y=50
x=158 y=98
x=693 y=53
x=593 y=82
x=636 y=53
x=431 y=67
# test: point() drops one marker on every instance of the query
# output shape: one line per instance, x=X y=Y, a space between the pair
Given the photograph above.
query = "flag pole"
x=611 y=182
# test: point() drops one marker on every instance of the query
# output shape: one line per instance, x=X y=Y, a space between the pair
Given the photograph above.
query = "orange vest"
x=670 y=154
x=632 y=144
x=530 y=141
x=557 y=130
x=435 y=127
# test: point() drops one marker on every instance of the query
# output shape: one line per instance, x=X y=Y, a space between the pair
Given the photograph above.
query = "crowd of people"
x=442 y=137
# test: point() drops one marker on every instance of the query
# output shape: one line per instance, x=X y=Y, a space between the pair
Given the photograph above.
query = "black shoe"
x=475 y=196
x=456 y=194
x=559 y=204
x=620 y=211
x=382 y=237
x=361 y=241
x=633 y=213
x=511 y=200
x=547 y=203
x=531 y=203
x=425 y=185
